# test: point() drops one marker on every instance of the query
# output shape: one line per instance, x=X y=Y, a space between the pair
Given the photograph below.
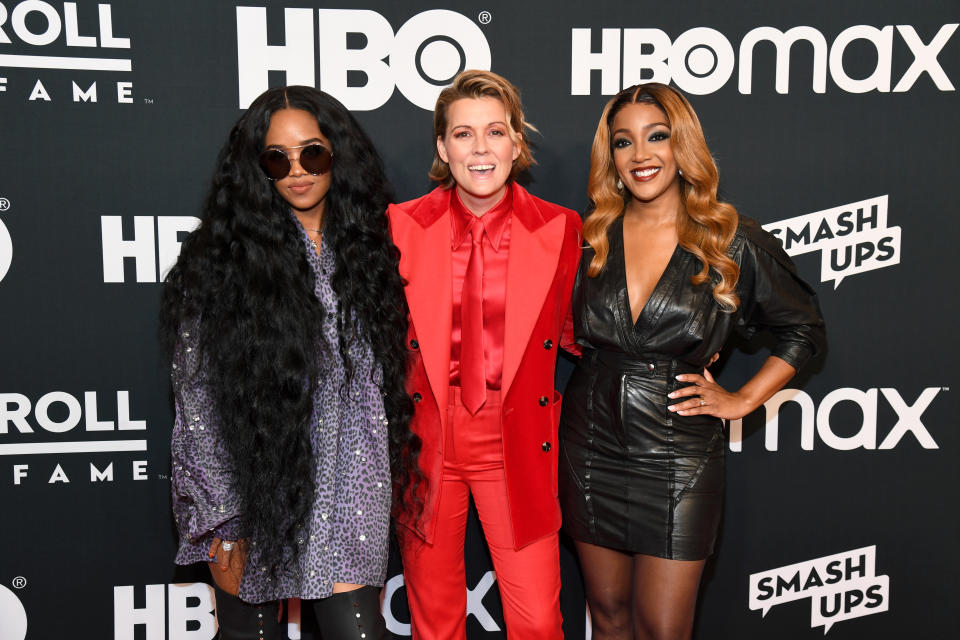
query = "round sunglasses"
x=314 y=158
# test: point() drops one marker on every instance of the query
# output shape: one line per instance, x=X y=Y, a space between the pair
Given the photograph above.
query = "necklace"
x=316 y=231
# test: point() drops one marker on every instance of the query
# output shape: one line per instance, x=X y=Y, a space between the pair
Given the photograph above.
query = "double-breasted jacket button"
x=545 y=446
x=543 y=401
x=414 y=345
x=548 y=344
x=417 y=397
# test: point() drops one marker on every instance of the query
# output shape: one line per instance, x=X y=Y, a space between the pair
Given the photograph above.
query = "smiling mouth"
x=481 y=168
x=645 y=173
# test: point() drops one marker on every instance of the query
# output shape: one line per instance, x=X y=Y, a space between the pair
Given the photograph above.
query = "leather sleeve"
x=773 y=297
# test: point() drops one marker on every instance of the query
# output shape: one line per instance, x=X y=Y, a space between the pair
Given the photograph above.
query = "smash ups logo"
x=420 y=59
x=840 y=587
x=852 y=238
x=37 y=36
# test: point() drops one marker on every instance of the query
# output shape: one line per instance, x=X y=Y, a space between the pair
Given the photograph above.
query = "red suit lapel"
x=423 y=235
x=421 y=229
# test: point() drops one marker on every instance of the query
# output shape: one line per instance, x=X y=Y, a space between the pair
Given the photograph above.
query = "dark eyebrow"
x=302 y=143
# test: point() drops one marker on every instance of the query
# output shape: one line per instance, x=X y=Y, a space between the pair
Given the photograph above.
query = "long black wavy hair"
x=243 y=279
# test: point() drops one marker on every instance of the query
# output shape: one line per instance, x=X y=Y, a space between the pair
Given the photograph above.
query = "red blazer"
x=545 y=244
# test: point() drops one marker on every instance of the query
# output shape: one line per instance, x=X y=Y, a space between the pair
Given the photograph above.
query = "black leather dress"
x=634 y=476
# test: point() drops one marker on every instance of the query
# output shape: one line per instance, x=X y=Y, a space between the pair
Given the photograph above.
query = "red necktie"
x=473 y=377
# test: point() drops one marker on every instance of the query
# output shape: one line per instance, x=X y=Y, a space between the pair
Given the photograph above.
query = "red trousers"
x=529 y=578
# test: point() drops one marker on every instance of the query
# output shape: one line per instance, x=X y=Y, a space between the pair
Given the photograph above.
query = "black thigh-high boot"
x=351 y=615
x=239 y=620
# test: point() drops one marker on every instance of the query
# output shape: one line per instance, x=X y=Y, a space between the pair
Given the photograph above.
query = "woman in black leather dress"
x=669 y=273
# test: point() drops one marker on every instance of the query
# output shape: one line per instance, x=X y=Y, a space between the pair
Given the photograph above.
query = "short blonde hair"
x=477 y=83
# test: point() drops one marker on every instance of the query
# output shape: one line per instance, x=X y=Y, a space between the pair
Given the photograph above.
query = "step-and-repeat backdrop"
x=834 y=124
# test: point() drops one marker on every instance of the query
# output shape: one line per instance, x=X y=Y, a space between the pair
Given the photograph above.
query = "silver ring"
x=702 y=402
x=226 y=545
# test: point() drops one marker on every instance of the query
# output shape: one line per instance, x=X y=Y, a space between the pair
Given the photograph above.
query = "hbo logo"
x=420 y=59
x=6 y=250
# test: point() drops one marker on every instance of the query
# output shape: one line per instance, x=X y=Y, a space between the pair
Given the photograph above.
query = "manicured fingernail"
x=683 y=413
x=212 y=553
x=680 y=377
x=672 y=407
x=672 y=395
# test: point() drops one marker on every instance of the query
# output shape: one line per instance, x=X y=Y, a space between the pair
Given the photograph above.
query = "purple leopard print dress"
x=345 y=538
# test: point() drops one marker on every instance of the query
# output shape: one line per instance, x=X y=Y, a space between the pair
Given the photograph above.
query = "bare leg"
x=608 y=575
x=665 y=597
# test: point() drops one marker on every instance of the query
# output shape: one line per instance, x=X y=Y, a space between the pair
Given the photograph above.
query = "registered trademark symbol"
x=485 y=17
x=19 y=582
x=4 y=204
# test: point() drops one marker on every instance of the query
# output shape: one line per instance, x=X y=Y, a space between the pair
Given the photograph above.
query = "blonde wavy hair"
x=477 y=83
x=705 y=227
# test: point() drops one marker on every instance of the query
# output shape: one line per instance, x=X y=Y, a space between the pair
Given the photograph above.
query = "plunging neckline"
x=655 y=293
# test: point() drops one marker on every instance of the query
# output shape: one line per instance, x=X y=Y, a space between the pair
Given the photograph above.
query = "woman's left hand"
x=705 y=397
x=227 y=561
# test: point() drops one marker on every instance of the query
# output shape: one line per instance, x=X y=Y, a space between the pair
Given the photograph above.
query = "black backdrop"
x=110 y=118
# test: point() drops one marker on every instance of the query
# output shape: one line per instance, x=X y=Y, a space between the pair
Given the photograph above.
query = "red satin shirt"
x=496 y=249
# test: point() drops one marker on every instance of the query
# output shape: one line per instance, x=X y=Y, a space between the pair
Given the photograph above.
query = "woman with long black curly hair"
x=285 y=321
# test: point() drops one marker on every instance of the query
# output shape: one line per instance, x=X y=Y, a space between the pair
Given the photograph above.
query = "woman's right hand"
x=228 y=558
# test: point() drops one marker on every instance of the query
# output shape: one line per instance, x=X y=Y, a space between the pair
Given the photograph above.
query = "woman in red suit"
x=489 y=271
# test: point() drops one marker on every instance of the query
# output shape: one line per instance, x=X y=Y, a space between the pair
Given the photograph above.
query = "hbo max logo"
x=702 y=60
x=420 y=59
